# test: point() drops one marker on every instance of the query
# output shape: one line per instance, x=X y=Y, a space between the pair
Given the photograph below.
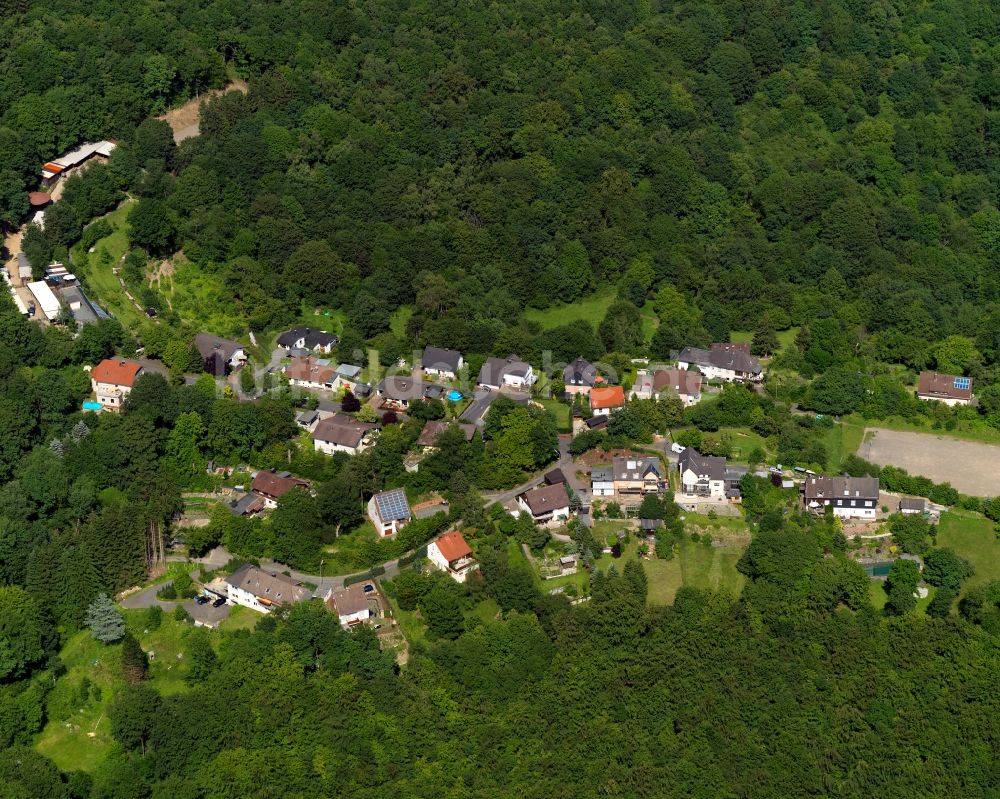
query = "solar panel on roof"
x=963 y=383
x=392 y=505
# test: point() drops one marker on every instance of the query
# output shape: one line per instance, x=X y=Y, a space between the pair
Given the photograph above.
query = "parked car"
x=369 y=588
x=201 y=599
x=219 y=602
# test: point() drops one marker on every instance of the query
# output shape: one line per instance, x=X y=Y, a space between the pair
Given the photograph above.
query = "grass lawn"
x=972 y=537
x=410 y=624
x=591 y=308
x=240 y=618
x=877 y=595
x=843 y=439
x=560 y=411
x=744 y=441
x=78 y=733
x=649 y=320
x=329 y=319
x=99 y=281
x=664 y=578
x=486 y=610
x=202 y=299
x=697 y=566
x=786 y=338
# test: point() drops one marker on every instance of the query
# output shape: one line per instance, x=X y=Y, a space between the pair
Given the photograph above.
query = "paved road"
x=480 y=404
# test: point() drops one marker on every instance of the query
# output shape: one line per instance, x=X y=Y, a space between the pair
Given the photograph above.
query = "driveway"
x=476 y=409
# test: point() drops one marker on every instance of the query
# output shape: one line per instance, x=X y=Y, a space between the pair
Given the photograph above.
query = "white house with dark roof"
x=389 y=511
x=580 y=376
x=219 y=355
x=849 y=497
x=545 y=504
x=342 y=433
x=509 y=372
x=441 y=362
x=730 y=362
x=306 y=338
x=353 y=604
x=254 y=588
x=702 y=476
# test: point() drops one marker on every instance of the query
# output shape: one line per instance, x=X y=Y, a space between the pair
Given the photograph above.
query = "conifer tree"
x=135 y=663
x=104 y=620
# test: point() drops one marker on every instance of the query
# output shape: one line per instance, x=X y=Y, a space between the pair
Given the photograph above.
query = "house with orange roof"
x=605 y=399
x=112 y=380
x=450 y=553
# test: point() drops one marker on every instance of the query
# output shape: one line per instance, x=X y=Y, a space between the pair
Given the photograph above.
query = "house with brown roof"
x=606 y=399
x=545 y=504
x=434 y=428
x=310 y=372
x=342 y=433
x=450 y=553
x=112 y=380
x=254 y=588
x=272 y=485
x=949 y=389
x=354 y=604
x=682 y=383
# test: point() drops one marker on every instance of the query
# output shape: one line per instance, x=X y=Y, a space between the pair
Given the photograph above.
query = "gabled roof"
x=941 y=386
x=494 y=370
x=116 y=371
x=626 y=468
x=913 y=503
x=581 y=373
x=403 y=388
x=350 y=600
x=208 y=345
x=680 y=381
x=273 y=485
x=837 y=487
x=712 y=467
x=310 y=370
x=546 y=499
x=453 y=546
x=554 y=476
x=722 y=356
x=607 y=397
x=443 y=360
x=270 y=588
x=392 y=506
x=346 y=431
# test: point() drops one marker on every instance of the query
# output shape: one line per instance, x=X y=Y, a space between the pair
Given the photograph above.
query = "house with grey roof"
x=219 y=355
x=509 y=372
x=306 y=338
x=441 y=362
x=849 y=497
x=730 y=362
x=580 y=376
x=263 y=591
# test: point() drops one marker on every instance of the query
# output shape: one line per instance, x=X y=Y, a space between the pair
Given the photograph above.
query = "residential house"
x=433 y=429
x=602 y=481
x=850 y=497
x=353 y=604
x=219 y=356
x=112 y=381
x=263 y=591
x=581 y=376
x=342 y=433
x=604 y=400
x=247 y=505
x=637 y=475
x=545 y=504
x=730 y=362
x=389 y=511
x=509 y=372
x=682 y=383
x=707 y=477
x=441 y=362
x=949 y=389
x=451 y=554
x=306 y=338
x=272 y=485
x=913 y=506
x=399 y=391
x=310 y=372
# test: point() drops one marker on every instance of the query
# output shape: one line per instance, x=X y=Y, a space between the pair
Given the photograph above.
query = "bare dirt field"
x=971 y=467
x=183 y=121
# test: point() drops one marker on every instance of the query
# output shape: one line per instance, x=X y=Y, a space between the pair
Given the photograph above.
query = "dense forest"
x=827 y=167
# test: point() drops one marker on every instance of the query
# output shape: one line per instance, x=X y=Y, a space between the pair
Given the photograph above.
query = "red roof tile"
x=116 y=372
x=453 y=546
x=610 y=397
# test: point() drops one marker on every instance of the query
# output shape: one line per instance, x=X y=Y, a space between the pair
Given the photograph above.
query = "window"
x=963 y=383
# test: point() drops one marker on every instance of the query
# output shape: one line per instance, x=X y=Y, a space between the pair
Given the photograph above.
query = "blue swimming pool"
x=454 y=396
x=90 y=405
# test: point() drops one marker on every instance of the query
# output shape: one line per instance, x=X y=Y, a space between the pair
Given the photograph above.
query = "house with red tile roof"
x=112 y=380
x=605 y=399
x=450 y=553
